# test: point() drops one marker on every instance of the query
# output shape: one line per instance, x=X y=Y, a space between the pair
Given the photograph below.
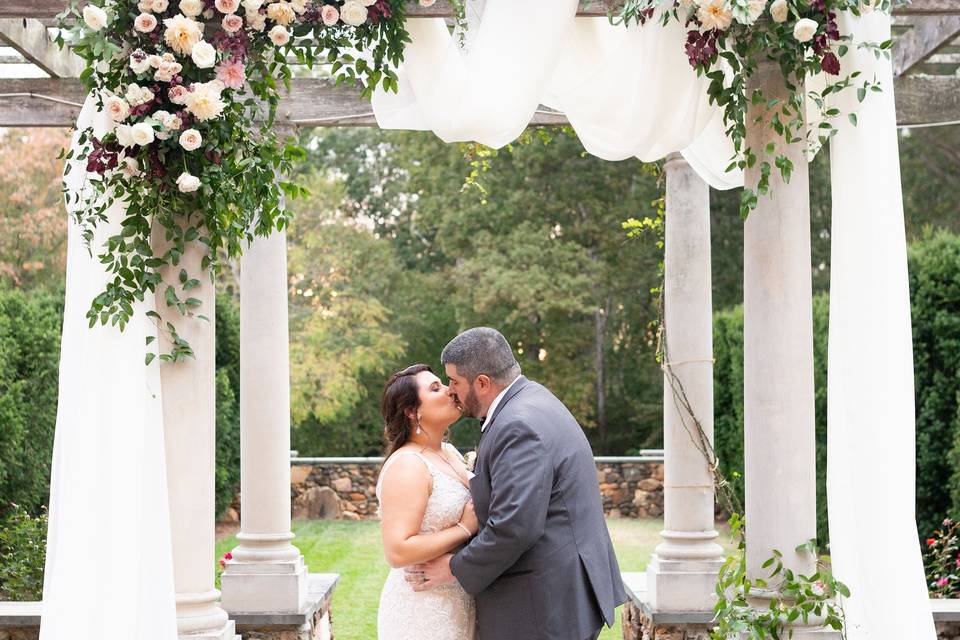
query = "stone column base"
x=259 y=587
x=228 y=632
x=682 y=585
x=313 y=622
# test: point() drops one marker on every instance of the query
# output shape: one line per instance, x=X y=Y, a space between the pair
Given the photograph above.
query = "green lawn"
x=353 y=550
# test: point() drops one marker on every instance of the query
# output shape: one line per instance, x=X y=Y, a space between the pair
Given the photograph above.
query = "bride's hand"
x=469 y=518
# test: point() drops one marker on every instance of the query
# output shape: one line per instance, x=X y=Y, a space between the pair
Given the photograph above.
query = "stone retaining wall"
x=345 y=487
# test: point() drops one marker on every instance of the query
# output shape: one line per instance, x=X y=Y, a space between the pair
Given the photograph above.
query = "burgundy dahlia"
x=830 y=63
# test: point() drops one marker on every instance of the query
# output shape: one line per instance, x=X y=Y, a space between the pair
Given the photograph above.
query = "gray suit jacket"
x=542 y=565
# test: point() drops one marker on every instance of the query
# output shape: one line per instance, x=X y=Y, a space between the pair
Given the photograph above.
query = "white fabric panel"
x=109 y=568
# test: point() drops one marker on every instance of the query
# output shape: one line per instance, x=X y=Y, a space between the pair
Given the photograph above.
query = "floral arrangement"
x=942 y=561
x=191 y=89
x=727 y=39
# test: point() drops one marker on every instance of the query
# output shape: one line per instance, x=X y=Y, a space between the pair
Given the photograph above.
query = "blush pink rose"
x=329 y=15
x=227 y=6
x=232 y=23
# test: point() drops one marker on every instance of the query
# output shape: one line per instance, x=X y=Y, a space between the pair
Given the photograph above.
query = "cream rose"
x=191 y=8
x=252 y=6
x=204 y=101
x=94 y=17
x=367 y=3
x=117 y=108
x=279 y=35
x=142 y=134
x=329 y=15
x=232 y=23
x=427 y=3
x=804 y=30
x=300 y=6
x=124 y=135
x=159 y=6
x=144 y=6
x=204 y=55
x=191 y=139
x=130 y=168
x=281 y=13
x=227 y=6
x=779 y=10
x=257 y=21
x=715 y=14
x=182 y=34
x=353 y=13
x=178 y=94
x=188 y=183
x=145 y=22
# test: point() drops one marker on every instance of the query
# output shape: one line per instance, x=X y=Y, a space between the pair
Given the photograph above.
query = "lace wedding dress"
x=443 y=613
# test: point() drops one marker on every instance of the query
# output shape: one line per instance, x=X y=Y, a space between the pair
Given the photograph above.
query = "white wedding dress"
x=443 y=613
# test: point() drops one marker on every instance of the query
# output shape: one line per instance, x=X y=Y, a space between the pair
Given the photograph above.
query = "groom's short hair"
x=482 y=350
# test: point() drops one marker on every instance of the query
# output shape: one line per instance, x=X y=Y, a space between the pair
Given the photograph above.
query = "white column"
x=190 y=431
x=267 y=573
x=682 y=573
x=778 y=400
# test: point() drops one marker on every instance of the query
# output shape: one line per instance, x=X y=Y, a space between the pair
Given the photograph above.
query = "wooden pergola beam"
x=928 y=34
x=46 y=9
x=317 y=102
x=29 y=37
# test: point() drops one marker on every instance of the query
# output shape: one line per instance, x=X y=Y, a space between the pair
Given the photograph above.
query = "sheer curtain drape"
x=628 y=92
x=109 y=568
x=870 y=415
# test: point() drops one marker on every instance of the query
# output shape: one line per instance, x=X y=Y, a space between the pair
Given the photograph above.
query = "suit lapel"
x=514 y=390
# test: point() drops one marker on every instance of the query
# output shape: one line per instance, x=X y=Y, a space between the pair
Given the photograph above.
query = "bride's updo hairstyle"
x=401 y=397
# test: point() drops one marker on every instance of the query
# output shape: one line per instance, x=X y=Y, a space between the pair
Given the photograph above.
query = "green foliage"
x=29 y=357
x=941 y=561
x=227 y=403
x=935 y=293
x=22 y=554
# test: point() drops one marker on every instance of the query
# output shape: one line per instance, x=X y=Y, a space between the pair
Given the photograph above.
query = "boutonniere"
x=470 y=459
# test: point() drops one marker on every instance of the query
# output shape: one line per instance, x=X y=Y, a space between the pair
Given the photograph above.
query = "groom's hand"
x=430 y=574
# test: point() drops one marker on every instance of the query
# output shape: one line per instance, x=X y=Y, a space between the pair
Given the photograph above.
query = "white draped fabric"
x=109 y=568
x=870 y=367
x=627 y=92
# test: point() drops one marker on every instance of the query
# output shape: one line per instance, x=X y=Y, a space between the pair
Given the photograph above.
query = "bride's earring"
x=418 y=425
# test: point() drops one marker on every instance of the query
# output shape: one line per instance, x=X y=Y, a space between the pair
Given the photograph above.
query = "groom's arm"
x=521 y=480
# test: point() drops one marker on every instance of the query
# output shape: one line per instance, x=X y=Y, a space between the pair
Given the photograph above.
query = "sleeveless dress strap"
x=389 y=463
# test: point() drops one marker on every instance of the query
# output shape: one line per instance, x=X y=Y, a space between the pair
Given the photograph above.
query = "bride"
x=425 y=508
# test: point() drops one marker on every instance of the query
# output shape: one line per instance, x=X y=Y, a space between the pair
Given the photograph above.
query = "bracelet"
x=469 y=535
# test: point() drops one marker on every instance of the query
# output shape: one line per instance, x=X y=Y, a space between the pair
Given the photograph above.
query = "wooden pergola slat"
x=318 y=102
x=45 y=9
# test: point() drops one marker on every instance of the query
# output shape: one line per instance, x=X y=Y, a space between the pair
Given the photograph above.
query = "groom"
x=542 y=564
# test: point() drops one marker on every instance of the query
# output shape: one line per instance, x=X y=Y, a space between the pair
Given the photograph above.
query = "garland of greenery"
x=192 y=89
x=801 y=36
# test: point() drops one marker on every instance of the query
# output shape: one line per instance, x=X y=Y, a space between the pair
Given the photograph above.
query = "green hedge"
x=30 y=325
x=934 y=265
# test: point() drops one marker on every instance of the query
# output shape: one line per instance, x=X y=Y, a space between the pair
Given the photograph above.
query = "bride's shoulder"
x=405 y=461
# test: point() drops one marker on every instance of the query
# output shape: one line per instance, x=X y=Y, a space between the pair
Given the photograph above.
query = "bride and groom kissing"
x=517 y=548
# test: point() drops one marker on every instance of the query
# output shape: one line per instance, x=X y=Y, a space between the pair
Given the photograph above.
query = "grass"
x=354 y=550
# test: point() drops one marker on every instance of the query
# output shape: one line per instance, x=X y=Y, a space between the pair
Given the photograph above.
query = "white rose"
x=117 y=108
x=256 y=21
x=172 y=121
x=367 y=3
x=139 y=66
x=188 y=183
x=191 y=8
x=191 y=139
x=804 y=29
x=130 y=168
x=95 y=17
x=300 y=6
x=142 y=134
x=353 y=13
x=779 y=10
x=204 y=55
x=279 y=35
x=144 y=6
x=159 y=6
x=124 y=135
x=252 y=6
x=427 y=3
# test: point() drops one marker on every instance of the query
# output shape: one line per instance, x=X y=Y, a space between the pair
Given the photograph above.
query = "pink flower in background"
x=232 y=74
x=942 y=582
x=232 y=23
x=330 y=15
x=227 y=6
x=145 y=23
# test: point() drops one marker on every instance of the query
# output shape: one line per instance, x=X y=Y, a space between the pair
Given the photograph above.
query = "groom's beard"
x=471 y=405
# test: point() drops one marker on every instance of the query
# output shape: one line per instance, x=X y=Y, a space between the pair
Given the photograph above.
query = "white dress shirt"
x=496 y=401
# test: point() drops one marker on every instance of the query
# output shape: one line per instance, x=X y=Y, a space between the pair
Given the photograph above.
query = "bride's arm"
x=403 y=501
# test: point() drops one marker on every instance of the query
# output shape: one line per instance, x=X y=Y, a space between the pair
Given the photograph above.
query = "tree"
x=34 y=221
